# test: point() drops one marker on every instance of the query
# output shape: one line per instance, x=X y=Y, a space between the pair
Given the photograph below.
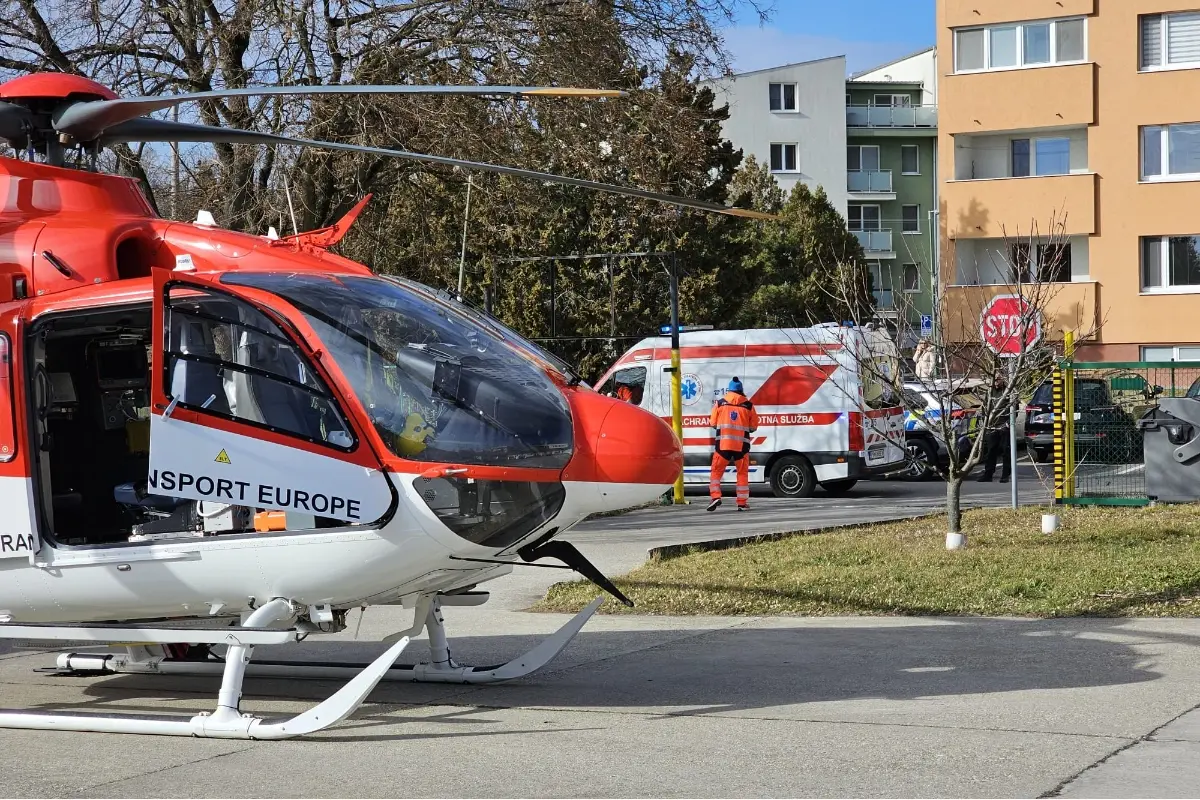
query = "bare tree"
x=146 y=47
x=1033 y=266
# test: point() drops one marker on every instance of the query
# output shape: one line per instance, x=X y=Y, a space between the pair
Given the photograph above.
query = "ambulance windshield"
x=437 y=384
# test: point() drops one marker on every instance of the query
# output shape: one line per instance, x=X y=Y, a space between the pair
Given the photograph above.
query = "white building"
x=920 y=67
x=792 y=118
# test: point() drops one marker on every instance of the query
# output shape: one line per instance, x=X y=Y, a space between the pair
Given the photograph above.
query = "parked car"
x=1105 y=432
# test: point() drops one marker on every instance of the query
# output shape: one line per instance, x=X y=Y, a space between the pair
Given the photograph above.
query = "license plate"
x=875 y=451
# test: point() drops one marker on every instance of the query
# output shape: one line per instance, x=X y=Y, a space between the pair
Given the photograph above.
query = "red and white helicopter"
x=224 y=439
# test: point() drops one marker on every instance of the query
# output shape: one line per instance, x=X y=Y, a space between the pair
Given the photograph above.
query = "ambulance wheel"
x=839 y=487
x=793 y=476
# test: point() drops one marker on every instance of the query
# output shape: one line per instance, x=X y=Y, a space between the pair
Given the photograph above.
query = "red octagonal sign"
x=1003 y=321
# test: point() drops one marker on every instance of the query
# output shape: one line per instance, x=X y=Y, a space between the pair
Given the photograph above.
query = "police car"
x=925 y=402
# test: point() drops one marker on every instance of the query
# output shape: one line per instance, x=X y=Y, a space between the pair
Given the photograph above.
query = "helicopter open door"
x=245 y=421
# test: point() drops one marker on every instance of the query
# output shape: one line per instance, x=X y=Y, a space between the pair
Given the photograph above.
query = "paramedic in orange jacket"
x=734 y=419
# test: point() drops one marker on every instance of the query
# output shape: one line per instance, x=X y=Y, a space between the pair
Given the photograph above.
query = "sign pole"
x=676 y=370
x=1012 y=428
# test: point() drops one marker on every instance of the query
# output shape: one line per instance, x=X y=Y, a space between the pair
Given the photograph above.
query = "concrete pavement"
x=672 y=707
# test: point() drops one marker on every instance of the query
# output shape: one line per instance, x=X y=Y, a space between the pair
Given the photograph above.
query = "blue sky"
x=867 y=32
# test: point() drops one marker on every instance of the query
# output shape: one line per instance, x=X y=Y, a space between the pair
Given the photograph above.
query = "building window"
x=862 y=158
x=1050 y=157
x=1170 y=263
x=892 y=100
x=864 y=218
x=1020 y=267
x=1171 y=152
x=1002 y=47
x=1020 y=158
x=1026 y=44
x=1054 y=263
x=910 y=159
x=910 y=219
x=881 y=287
x=912 y=278
x=783 y=158
x=1170 y=41
x=1168 y=353
x=783 y=96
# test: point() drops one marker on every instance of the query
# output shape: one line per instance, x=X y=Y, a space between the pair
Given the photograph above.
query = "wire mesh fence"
x=1098 y=447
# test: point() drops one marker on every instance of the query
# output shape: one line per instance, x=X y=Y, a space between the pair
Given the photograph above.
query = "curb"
x=669 y=551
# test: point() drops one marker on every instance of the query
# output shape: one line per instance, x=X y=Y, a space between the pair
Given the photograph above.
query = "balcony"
x=1046 y=97
x=1013 y=206
x=891 y=117
x=1068 y=307
x=877 y=244
x=873 y=184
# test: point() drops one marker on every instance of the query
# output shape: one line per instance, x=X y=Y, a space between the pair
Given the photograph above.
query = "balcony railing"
x=874 y=180
x=875 y=241
x=891 y=116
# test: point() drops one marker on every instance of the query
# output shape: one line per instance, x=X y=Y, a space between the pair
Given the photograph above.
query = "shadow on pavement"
x=762 y=665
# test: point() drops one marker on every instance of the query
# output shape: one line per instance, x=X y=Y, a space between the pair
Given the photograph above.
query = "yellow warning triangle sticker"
x=222 y=457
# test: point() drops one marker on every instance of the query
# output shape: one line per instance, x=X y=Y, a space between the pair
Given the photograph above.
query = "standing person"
x=734 y=419
x=996 y=443
x=923 y=360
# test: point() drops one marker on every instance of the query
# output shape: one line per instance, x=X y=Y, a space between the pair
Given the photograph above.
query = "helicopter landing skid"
x=441 y=668
x=227 y=722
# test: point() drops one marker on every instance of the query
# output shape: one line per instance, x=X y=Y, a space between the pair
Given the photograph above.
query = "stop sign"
x=1003 y=321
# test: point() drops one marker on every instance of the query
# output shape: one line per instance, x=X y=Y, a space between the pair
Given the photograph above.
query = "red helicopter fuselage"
x=76 y=245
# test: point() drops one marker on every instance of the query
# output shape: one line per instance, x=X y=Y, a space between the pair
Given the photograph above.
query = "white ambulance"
x=823 y=419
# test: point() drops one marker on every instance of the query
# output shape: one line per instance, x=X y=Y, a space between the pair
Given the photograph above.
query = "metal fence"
x=1098 y=453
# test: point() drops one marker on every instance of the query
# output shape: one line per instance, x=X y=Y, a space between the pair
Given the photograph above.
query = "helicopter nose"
x=618 y=443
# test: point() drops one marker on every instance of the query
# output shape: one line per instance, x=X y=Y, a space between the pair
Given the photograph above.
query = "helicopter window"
x=227 y=358
x=491 y=513
x=437 y=383
x=8 y=422
x=626 y=384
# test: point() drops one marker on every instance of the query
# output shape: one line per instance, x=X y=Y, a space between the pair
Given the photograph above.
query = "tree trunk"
x=955 y=540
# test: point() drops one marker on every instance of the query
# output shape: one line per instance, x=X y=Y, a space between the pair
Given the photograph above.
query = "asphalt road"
x=677 y=707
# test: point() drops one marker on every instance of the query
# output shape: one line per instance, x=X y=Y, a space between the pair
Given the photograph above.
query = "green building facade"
x=891 y=175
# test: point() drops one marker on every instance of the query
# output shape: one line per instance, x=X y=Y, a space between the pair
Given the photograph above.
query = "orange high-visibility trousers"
x=719 y=462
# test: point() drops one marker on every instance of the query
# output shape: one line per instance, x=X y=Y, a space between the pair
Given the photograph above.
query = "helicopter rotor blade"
x=153 y=130
x=85 y=121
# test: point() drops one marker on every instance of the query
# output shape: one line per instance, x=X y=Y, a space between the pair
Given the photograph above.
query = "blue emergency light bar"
x=666 y=329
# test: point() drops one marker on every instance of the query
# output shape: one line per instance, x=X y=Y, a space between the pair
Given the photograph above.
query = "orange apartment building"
x=1088 y=112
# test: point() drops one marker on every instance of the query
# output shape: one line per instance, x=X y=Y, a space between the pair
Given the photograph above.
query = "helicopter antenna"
x=291 y=210
x=462 y=256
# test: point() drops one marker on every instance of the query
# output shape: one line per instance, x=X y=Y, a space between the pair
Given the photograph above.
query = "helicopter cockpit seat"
x=278 y=404
x=197 y=383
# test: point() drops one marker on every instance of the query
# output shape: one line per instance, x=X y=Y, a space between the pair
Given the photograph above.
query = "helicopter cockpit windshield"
x=438 y=385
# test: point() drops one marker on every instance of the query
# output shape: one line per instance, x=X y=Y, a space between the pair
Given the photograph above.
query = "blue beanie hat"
x=735 y=385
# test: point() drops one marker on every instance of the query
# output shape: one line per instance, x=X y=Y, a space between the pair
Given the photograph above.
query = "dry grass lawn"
x=1101 y=562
